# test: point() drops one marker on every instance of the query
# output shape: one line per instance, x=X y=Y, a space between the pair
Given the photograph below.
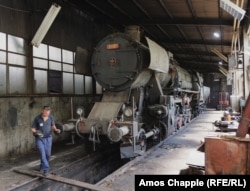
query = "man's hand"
x=38 y=133
x=57 y=131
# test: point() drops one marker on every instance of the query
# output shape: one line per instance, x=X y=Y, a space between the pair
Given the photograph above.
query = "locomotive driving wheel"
x=163 y=129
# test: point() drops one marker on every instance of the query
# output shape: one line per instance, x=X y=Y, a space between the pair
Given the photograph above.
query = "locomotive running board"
x=63 y=180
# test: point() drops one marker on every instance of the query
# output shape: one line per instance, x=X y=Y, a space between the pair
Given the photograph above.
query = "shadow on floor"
x=189 y=171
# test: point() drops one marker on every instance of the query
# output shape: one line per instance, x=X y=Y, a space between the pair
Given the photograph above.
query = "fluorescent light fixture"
x=46 y=23
x=232 y=9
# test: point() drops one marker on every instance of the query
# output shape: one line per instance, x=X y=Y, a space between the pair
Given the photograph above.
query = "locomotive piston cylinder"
x=65 y=127
x=151 y=133
x=68 y=127
x=115 y=134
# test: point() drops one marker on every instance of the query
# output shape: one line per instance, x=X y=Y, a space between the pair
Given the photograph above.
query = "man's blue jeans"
x=44 y=146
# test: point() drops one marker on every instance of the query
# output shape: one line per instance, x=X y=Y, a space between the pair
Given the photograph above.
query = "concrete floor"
x=170 y=158
x=60 y=155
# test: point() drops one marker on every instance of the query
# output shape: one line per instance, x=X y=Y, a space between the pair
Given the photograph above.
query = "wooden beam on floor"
x=63 y=180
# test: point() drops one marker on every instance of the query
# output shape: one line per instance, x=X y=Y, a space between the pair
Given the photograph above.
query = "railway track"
x=89 y=169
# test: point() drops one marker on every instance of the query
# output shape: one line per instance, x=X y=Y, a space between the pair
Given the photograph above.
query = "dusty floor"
x=171 y=157
x=60 y=154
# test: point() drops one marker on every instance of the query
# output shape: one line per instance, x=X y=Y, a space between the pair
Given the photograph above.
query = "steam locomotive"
x=146 y=94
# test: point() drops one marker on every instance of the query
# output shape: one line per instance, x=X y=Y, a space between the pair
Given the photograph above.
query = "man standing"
x=42 y=127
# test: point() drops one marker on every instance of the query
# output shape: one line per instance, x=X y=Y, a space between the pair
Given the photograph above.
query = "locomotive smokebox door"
x=117 y=61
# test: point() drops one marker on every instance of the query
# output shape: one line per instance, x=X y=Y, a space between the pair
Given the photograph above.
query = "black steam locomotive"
x=146 y=94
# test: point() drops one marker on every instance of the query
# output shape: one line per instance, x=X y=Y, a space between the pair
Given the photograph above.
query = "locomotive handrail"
x=185 y=90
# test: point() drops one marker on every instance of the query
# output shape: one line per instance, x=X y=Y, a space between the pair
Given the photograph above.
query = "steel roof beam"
x=170 y=21
x=184 y=41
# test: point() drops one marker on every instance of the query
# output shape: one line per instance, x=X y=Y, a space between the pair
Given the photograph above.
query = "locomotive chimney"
x=133 y=31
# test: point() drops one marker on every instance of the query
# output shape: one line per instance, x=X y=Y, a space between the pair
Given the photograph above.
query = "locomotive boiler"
x=146 y=94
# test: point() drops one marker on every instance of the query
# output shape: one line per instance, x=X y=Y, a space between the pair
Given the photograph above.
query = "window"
x=41 y=81
x=54 y=72
x=16 y=44
x=79 y=86
x=3 y=41
x=88 y=85
x=52 y=69
x=2 y=57
x=13 y=65
x=17 y=80
x=68 y=83
x=2 y=79
x=55 y=82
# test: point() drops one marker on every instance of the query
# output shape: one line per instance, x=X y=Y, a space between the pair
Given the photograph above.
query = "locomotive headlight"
x=128 y=112
x=79 y=111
